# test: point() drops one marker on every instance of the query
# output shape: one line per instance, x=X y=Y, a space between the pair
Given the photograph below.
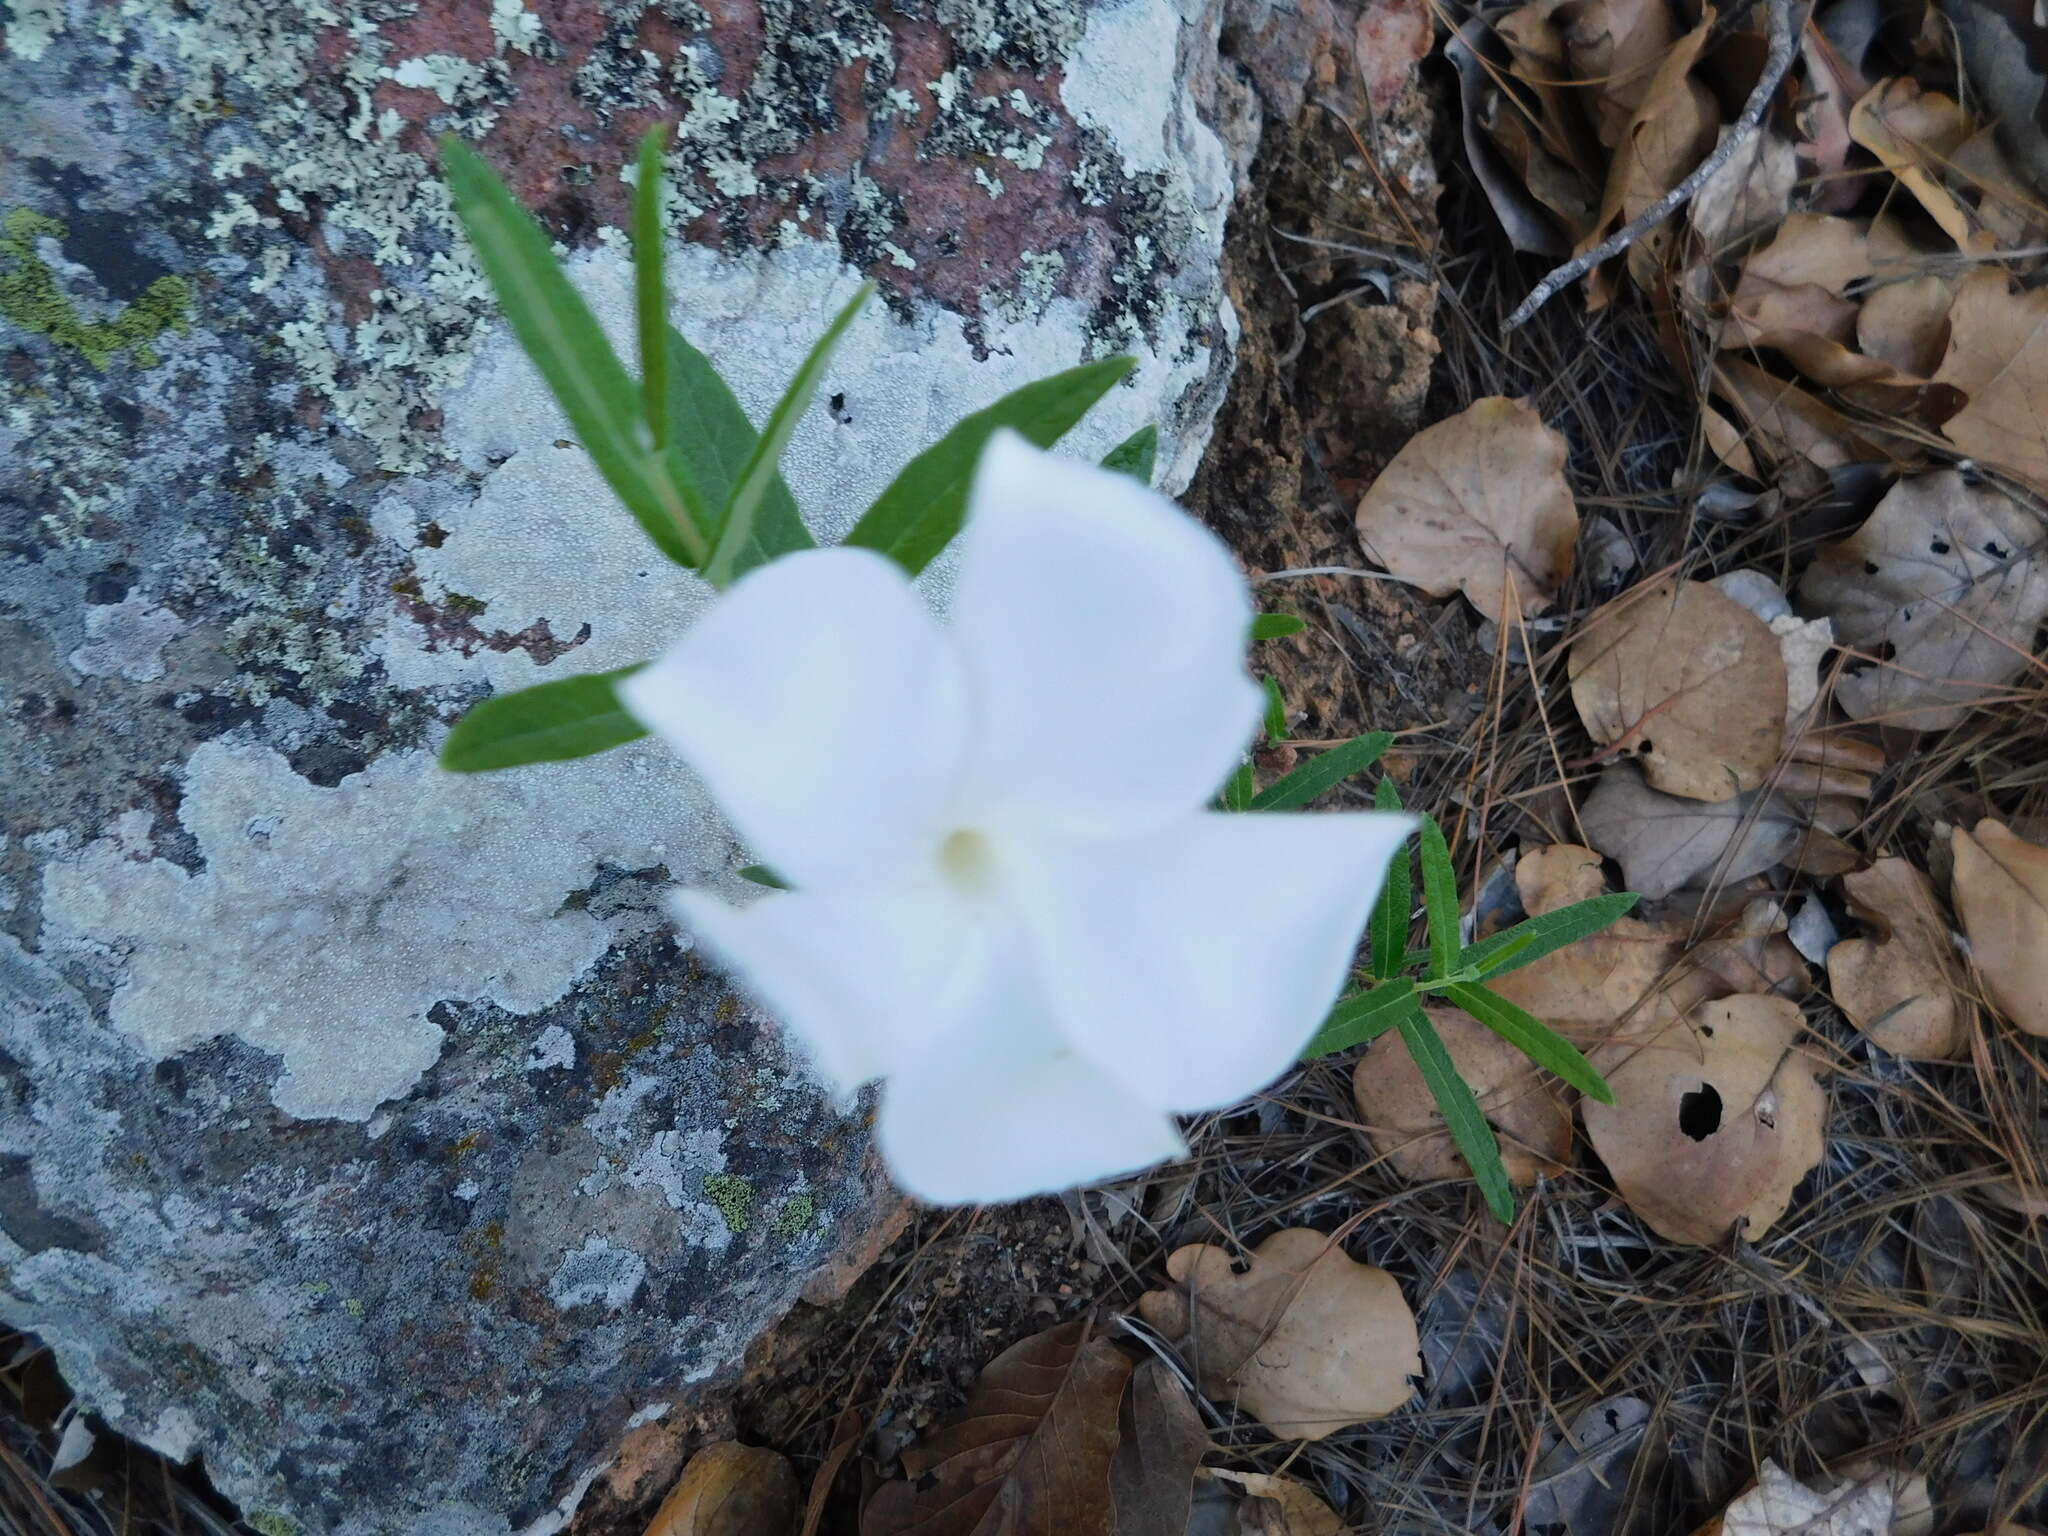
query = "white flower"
x=1009 y=897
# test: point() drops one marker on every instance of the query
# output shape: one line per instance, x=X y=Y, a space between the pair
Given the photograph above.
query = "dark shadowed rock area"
x=365 y=1129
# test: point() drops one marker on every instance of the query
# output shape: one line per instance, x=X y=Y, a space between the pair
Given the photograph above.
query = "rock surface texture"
x=364 y=1128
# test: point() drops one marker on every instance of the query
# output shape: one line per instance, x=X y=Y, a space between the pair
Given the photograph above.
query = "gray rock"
x=365 y=1128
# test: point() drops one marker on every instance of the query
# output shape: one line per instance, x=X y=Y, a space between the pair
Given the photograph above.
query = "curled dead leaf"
x=1916 y=133
x=1474 y=502
x=1666 y=844
x=1878 y=1502
x=1306 y=1340
x=731 y=1489
x=1525 y=1105
x=1942 y=588
x=1259 y=1504
x=1998 y=357
x=1899 y=985
x=1687 y=680
x=1160 y=1444
x=1030 y=1453
x=2001 y=895
x=1782 y=422
x=1748 y=195
x=1716 y=1120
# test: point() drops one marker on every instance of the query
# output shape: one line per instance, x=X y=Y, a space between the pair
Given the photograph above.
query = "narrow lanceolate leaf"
x=1392 y=912
x=559 y=333
x=1276 y=711
x=1439 y=900
x=1531 y=1036
x=1237 y=792
x=1533 y=938
x=710 y=433
x=1324 y=771
x=1362 y=1017
x=570 y=717
x=736 y=527
x=1275 y=626
x=925 y=505
x=761 y=874
x=1462 y=1115
x=1135 y=455
x=650 y=298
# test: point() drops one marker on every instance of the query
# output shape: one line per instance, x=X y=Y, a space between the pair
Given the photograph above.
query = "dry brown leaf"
x=1899 y=985
x=1526 y=1105
x=1160 y=1443
x=1998 y=357
x=1673 y=129
x=1812 y=248
x=1306 y=1340
x=1616 y=46
x=1259 y=1504
x=2001 y=895
x=1905 y=323
x=1687 y=680
x=1784 y=421
x=1750 y=194
x=730 y=1489
x=1915 y=133
x=1945 y=582
x=1833 y=85
x=1028 y=1456
x=1501 y=147
x=1715 y=1121
x=2004 y=204
x=1473 y=502
x=1581 y=1485
x=1877 y=1503
x=1615 y=974
x=1666 y=844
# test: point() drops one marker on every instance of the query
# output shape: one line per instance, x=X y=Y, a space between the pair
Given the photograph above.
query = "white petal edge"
x=824 y=708
x=997 y=1108
x=1195 y=963
x=1104 y=634
x=863 y=983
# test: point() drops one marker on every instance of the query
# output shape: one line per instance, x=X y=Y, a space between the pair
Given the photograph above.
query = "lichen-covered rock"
x=364 y=1127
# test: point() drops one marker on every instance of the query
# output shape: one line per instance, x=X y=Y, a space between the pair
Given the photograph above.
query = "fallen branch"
x=1783 y=36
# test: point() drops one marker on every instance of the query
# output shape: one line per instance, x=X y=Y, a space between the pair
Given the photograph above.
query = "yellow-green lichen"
x=271 y=1523
x=733 y=1196
x=797 y=1214
x=31 y=298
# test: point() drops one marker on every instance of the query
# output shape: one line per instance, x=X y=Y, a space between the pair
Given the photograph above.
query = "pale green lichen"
x=271 y=1523
x=34 y=25
x=733 y=1196
x=798 y=1214
x=31 y=298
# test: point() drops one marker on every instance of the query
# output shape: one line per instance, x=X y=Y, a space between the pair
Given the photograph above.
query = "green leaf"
x=1134 y=456
x=1535 y=937
x=1462 y=1115
x=761 y=874
x=570 y=717
x=1392 y=912
x=557 y=330
x=924 y=506
x=650 y=300
x=736 y=526
x=1324 y=771
x=1275 y=626
x=1531 y=1036
x=710 y=431
x=1361 y=1017
x=1276 y=711
x=1439 y=900
x=1237 y=792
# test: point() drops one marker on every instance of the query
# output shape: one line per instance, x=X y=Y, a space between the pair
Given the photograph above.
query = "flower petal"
x=824 y=707
x=997 y=1108
x=862 y=983
x=1104 y=635
x=1194 y=963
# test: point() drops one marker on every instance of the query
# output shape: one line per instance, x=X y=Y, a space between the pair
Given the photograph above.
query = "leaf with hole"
x=549 y=722
x=918 y=513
